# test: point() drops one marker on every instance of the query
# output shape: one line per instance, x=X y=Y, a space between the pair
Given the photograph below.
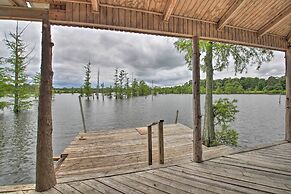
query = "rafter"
x=231 y=12
x=169 y=9
x=271 y=24
x=95 y=5
x=288 y=38
x=20 y=3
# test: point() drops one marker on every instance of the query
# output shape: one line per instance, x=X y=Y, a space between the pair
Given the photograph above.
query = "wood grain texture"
x=259 y=170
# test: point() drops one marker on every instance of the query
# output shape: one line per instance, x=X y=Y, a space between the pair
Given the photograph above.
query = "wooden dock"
x=116 y=162
x=120 y=151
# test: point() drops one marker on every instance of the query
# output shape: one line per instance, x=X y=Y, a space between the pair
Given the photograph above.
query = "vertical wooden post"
x=150 y=146
x=177 y=115
x=288 y=96
x=197 y=142
x=45 y=175
x=161 y=142
x=82 y=114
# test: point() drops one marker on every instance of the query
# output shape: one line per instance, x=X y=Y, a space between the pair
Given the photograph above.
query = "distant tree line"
x=243 y=85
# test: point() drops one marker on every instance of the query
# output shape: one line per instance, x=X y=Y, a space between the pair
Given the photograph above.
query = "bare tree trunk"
x=209 y=134
x=45 y=175
x=197 y=141
x=16 y=74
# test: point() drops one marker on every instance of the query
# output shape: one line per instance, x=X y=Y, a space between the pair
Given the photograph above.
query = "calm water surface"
x=260 y=120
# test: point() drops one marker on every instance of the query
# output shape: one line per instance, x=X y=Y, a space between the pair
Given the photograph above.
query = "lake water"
x=260 y=120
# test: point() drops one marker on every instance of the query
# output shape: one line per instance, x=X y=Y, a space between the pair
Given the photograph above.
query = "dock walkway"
x=116 y=162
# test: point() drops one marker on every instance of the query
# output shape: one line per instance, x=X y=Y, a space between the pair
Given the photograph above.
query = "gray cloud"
x=147 y=57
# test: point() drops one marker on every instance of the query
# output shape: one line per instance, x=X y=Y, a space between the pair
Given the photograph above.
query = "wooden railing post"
x=288 y=96
x=177 y=115
x=197 y=141
x=150 y=146
x=161 y=141
x=82 y=114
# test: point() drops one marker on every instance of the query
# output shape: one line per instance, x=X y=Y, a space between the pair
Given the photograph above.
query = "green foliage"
x=134 y=87
x=223 y=53
x=87 y=84
x=227 y=136
x=143 y=89
x=4 y=88
x=16 y=70
x=224 y=113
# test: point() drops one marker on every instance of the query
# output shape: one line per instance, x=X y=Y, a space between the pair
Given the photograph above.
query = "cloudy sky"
x=146 y=57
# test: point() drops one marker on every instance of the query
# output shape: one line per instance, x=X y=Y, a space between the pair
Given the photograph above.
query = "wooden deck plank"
x=239 y=163
x=235 y=180
x=192 y=175
x=175 y=181
x=241 y=174
x=163 y=186
x=65 y=188
x=117 y=185
x=137 y=185
x=102 y=188
x=83 y=188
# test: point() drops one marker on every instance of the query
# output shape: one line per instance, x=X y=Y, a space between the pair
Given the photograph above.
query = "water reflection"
x=17 y=151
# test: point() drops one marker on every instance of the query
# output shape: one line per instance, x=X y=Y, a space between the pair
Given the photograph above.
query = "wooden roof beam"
x=169 y=9
x=21 y=13
x=273 y=23
x=230 y=13
x=95 y=6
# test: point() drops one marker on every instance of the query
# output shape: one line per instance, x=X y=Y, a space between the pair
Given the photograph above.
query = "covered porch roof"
x=258 y=23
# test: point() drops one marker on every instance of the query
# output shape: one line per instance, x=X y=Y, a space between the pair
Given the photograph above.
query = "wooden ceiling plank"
x=95 y=6
x=272 y=24
x=230 y=13
x=169 y=9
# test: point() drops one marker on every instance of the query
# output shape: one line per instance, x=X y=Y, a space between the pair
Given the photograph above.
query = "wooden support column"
x=288 y=96
x=45 y=175
x=197 y=141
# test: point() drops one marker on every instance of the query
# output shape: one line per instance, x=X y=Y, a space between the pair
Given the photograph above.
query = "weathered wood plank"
x=117 y=185
x=100 y=186
x=83 y=188
x=65 y=188
x=137 y=185
x=232 y=181
x=241 y=174
x=197 y=177
x=151 y=182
